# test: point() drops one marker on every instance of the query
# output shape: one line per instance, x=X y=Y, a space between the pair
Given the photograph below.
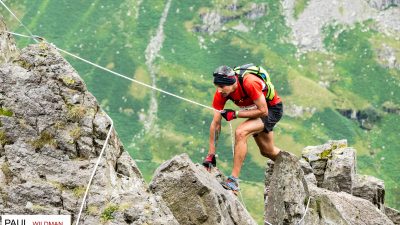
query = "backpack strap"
x=242 y=69
x=242 y=86
x=245 y=68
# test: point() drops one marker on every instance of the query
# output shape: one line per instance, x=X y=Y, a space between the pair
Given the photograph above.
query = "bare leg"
x=265 y=142
x=243 y=131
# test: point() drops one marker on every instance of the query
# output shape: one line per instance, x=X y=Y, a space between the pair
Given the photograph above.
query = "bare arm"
x=260 y=111
x=215 y=130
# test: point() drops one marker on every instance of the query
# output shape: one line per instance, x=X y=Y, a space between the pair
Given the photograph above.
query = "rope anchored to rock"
x=94 y=172
x=37 y=39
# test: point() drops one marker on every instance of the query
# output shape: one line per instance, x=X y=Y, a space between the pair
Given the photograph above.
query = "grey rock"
x=387 y=56
x=215 y=21
x=370 y=188
x=307 y=27
x=340 y=170
x=389 y=22
x=70 y=201
x=308 y=172
x=305 y=166
x=310 y=178
x=336 y=144
x=293 y=110
x=256 y=11
x=195 y=196
x=383 y=4
x=288 y=191
x=327 y=207
x=366 y=117
x=291 y=200
x=269 y=170
x=317 y=157
x=393 y=214
x=28 y=192
x=391 y=107
x=8 y=49
x=127 y=169
x=3 y=178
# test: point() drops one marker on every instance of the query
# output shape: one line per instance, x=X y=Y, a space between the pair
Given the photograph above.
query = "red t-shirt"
x=254 y=86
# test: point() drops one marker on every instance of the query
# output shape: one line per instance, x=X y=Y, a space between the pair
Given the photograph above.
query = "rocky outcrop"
x=387 y=56
x=7 y=45
x=318 y=157
x=327 y=207
x=214 y=20
x=383 y=4
x=366 y=117
x=286 y=191
x=391 y=107
x=393 y=214
x=195 y=196
x=340 y=170
x=389 y=22
x=370 y=188
x=308 y=171
x=293 y=110
x=341 y=197
x=52 y=131
x=340 y=174
x=307 y=27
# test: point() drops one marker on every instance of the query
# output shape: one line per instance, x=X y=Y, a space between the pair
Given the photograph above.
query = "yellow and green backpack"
x=260 y=72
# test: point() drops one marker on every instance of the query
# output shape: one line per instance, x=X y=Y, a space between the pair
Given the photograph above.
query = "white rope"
x=133 y=80
x=305 y=212
x=123 y=76
x=9 y=10
x=241 y=198
x=109 y=132
x=116 y=73
x=94 y=172
x=267 y=222
x=16 y=34
x=35 y=37
x=232 y=139
x=233 y=153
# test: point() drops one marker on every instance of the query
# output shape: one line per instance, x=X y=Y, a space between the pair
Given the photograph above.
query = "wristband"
x=237 y=114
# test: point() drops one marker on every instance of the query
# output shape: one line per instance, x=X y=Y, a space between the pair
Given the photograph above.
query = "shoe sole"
x=228 y=188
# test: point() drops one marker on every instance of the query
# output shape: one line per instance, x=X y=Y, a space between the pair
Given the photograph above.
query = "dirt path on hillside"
x=307 y=28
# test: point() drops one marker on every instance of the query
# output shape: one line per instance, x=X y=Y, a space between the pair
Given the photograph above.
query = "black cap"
x=224 y=75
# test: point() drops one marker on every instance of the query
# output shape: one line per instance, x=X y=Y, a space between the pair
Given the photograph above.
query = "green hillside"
x=116 y=34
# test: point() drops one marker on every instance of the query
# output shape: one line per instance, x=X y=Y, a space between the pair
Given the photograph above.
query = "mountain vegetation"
x=346 y=88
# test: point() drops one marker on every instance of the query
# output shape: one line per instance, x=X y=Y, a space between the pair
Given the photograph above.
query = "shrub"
x=6 y=112
x=76 y=113
x=44 y=139
x=107 y=213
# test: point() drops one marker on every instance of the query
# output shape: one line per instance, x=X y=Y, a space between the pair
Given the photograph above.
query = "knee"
x=267 y=151
x=265 y=154
x=271 y=153
x=240 y=134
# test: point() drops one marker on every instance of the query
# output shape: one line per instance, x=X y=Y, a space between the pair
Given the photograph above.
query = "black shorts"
x=274 y=115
